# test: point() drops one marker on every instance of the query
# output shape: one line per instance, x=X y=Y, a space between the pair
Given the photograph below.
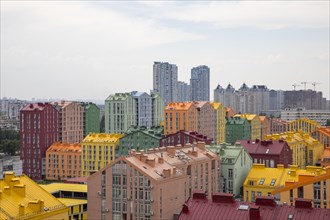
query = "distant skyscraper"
x=165 y=81
x=200 y=83
x=183 y=92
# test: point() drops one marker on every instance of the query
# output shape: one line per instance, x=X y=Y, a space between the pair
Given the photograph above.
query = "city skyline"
x=76 y=54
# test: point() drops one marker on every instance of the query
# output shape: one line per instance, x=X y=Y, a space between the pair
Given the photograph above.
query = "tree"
x=9 y=147
x=328 y=122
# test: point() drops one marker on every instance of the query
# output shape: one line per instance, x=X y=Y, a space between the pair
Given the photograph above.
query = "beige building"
x=206 y=121
x=152 y=185
x=71 y=121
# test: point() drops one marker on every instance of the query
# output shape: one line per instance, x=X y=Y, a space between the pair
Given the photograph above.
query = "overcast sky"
x=88 y=50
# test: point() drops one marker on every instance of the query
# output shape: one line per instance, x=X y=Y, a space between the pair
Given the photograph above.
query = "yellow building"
x=306 y=151
x=97 y=151
x=74 y=196
x=255 y=124
x=22 y=198
x=262 y=181
x=310 y=187
x=220 y=122
x=304 y=124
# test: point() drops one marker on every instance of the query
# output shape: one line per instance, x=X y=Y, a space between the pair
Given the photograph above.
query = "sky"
x=91 y=49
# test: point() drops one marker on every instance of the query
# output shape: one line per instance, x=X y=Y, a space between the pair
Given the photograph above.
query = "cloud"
x=257 y=14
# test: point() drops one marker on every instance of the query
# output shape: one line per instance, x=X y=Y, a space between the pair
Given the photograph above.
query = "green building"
x=140 y=138
x=91 y=118
x=157 y=109
x=237 y=129
x=234 y=167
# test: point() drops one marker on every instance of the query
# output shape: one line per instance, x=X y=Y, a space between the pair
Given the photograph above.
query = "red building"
x=39 y=128
x=183 y=137
x=269 y=152
x=223 y=206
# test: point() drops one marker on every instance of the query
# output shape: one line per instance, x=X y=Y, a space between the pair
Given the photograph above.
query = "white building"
x=12 y=163
x=291 y=114
x=200 y=83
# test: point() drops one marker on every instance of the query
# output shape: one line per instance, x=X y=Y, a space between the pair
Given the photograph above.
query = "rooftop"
x=223 y=206
x=72 y=202
x=155 y=132
x=118 y=97
x=68 y=187
x=228 y=153
x=291 y=137
x=269 y=147
x=35 y=107
x=58 y=147
x=102 y=138
x=179 y=105
x=249 y=117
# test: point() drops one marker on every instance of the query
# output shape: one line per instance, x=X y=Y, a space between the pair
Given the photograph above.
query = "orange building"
x=323 y=135
x=63 y=161
x=265 y=126
x=180 y=116
x=325 y=160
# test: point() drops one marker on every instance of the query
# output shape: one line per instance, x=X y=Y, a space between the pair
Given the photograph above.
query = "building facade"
x=165 y=81
x=237 y=129
x=200 y=83
x=157 y=109
x=306 y=151
x=91 y=118
x=140 y=138
x=184 y=92
x=180 y=116
x=265 y=126
x=219 y=122
x=323 y=135
x=39 y=129
x=63 y=161
x=11 y=163
x=319 y=116
x=235 y=164
x=97 y=151
x=206 y=120
x=120 y=113
x=278 y=126
x=151 y=185
x=143 y=103
x=71 y=121
x=262 y=181
x=184 y=137
x=255 y=125
x=271 y=152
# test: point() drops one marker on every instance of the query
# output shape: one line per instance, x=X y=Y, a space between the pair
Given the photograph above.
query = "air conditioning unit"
x=106 y=210
x=151 y=213
x=151 y=200
x=99 y=193
x=151 y=187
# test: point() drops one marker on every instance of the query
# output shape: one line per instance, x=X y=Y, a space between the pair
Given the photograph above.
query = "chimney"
x=223 y=197
x=21 y=210
x=185 y=208
x=303 y=203
x=161 y=159
x=167 y=172
x=199 y=194
x=143 y=158
x=265 y=200
x=257 y=140
x=8 y=177
x=174 y=170
x=201 y=145
x=138 y=155
x=151 y=162
x=254 y=212
x=171 y=150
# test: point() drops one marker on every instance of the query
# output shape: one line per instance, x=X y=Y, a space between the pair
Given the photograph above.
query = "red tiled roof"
x=223 y=206
x=35 y=107
x=261 y=147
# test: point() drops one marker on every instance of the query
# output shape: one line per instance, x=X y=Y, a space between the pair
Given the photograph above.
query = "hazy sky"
x=88 y=50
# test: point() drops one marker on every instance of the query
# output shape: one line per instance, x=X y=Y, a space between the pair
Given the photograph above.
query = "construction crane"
x=294 y=86
x=305 y=84
x=314 y=84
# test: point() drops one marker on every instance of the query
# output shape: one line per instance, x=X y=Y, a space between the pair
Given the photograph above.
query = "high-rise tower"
x=200 y=83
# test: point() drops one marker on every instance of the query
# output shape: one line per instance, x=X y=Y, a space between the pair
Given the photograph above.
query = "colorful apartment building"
x=120 y=113
x=97 y=151
x=22 y=198
x=63 y=161
x=255 y=125
x=39 y=128
x=180 y=116
x=265 y=126
x=140 y=138
x=157 y=109
x=206 y=120
x=271 y=152
x=220 y=122
x=235 y=164
x=71 y=121
x=91 y=118
x=152 y=185
x=278 y=126
x=73 y=196
x=306 y=151
x=304 y=124
x=224 y=206
x=184 y=137
x=315 y=188
x=237 y=129
x=325 y=160
x=322 y=134
x=262 y=180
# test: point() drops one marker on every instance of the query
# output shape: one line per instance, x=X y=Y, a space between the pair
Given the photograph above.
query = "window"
x=230 y=173
x=272 y=183
x=251 y=182
x=262 y=180
x=301 y=192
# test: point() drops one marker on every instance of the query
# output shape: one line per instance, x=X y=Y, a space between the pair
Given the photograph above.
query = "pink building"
x=152 y=185
x=278 y=126
x=71 y=121
x=206 y=120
